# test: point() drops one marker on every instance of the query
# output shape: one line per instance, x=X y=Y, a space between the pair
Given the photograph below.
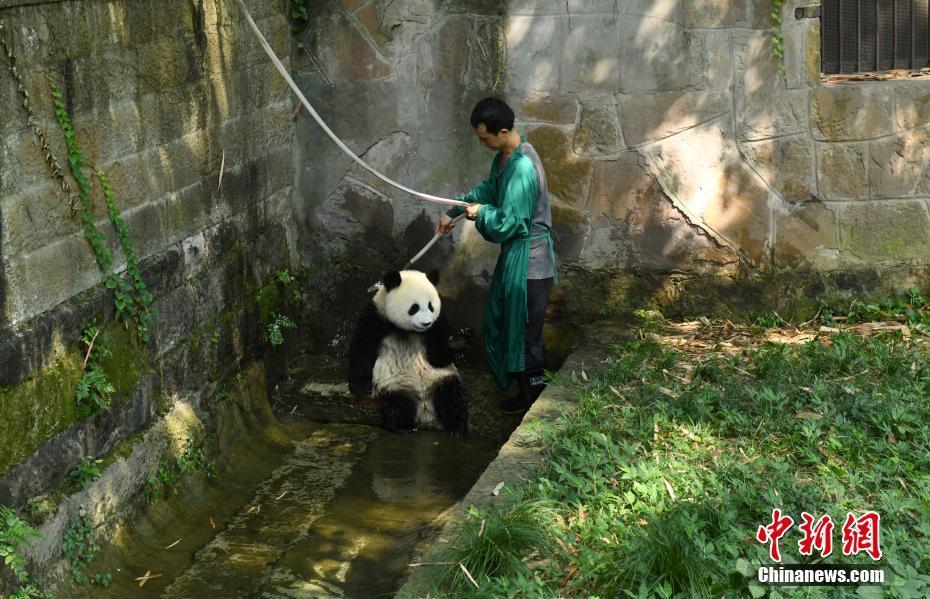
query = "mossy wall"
x=34 y=410
x=177 y=103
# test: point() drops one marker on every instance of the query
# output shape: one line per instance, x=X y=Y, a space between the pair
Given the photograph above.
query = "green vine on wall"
x=778 y=41
x=299 y=18
x=132 y=299
x=134 y=293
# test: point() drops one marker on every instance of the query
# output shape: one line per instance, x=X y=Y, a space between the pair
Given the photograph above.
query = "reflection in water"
x=338 y=515
x=363 y=544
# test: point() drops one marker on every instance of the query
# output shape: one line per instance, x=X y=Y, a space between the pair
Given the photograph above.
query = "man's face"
x=495 y=141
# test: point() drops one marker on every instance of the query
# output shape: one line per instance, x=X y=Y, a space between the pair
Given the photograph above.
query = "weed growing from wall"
x=94 y=390
x=87 y=471
x=274 y=332
x=778 y=41
x=14 y=533
x=132 y=300
x=196 y=458
x=80 y=546
x=299 y=18
x=269 y=298
x=133 y=294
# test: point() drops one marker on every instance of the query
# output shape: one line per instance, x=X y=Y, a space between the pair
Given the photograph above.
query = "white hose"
x=430 y=244
x=342 y=146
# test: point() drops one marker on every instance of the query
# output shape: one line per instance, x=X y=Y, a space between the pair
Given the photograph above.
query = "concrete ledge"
x=520 y=457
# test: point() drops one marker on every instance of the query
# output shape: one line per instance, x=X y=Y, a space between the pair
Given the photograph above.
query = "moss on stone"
x=268 y=299
x=126 y=361
x=34 y=410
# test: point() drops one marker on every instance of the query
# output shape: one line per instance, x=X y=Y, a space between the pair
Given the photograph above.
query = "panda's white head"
x=408 y=299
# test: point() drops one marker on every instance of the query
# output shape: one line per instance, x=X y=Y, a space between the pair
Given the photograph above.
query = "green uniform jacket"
x=509 y=200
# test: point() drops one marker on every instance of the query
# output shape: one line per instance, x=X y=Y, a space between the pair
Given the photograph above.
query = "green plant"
x=909 y=307
x=39 y=508
x=101 y=579
x=194 y=458
x=670 y=461
x=14 y=532
x=495 y=543
x=131 y=297
x=274 y=331
x=94 y=389
x=299 y=18
x=80 y=546
x=778 y=41
x=768 y=321
x=87 y=471
x=93 y=392
x=650 y=320
x=150 y=490
x=132 y=300
x=284 y=277
x=167 y=476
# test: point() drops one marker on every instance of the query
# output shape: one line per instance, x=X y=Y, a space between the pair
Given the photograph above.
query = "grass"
x=656 y=486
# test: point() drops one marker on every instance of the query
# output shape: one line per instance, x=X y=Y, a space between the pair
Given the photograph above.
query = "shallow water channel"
x=313 y=510
x=301 y=508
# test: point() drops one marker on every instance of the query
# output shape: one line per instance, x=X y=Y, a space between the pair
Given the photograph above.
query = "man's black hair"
x=494 y=113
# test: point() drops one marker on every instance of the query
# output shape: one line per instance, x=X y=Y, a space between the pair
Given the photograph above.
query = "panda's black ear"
x=433 y=276
x=391 y=280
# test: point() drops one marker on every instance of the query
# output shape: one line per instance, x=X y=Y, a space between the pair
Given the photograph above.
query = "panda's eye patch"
x=430 y=305
x=413 y=309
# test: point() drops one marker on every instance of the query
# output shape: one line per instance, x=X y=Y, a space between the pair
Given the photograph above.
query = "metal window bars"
x=861 y=36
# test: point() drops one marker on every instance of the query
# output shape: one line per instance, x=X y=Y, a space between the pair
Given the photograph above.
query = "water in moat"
x=302 y=508
x=333 y=510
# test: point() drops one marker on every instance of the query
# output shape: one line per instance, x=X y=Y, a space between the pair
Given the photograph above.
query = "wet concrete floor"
x=334 y=510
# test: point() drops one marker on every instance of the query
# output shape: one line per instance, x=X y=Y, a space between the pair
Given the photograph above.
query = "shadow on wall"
x=679 y=161
x=672 y=145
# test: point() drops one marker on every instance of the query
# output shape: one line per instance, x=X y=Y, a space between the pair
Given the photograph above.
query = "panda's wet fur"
x=400 y=354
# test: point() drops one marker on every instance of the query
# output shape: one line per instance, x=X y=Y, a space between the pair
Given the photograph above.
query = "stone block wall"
x=176 y=102
x=680 y=150
x=396 y=81
x=676 y=153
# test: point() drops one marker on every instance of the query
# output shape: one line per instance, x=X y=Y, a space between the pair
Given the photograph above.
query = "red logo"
x=862 y=534
x=773 y=532
x=817 y=535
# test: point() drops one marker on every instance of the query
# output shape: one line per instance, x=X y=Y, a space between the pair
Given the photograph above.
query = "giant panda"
x=400 y=354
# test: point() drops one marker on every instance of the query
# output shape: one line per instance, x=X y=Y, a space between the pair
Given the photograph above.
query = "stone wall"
x=177 y=103
x=396 y=81
x=684 y=170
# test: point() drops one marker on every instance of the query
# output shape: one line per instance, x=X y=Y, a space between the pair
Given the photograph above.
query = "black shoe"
x=522 y=401
x=537 y=382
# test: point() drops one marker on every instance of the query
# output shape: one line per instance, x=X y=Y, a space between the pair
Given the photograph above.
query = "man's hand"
x=444 y=225
x=471 y=211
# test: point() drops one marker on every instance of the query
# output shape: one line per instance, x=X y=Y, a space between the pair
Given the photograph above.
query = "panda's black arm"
x=369 y=331
x=438 y=351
